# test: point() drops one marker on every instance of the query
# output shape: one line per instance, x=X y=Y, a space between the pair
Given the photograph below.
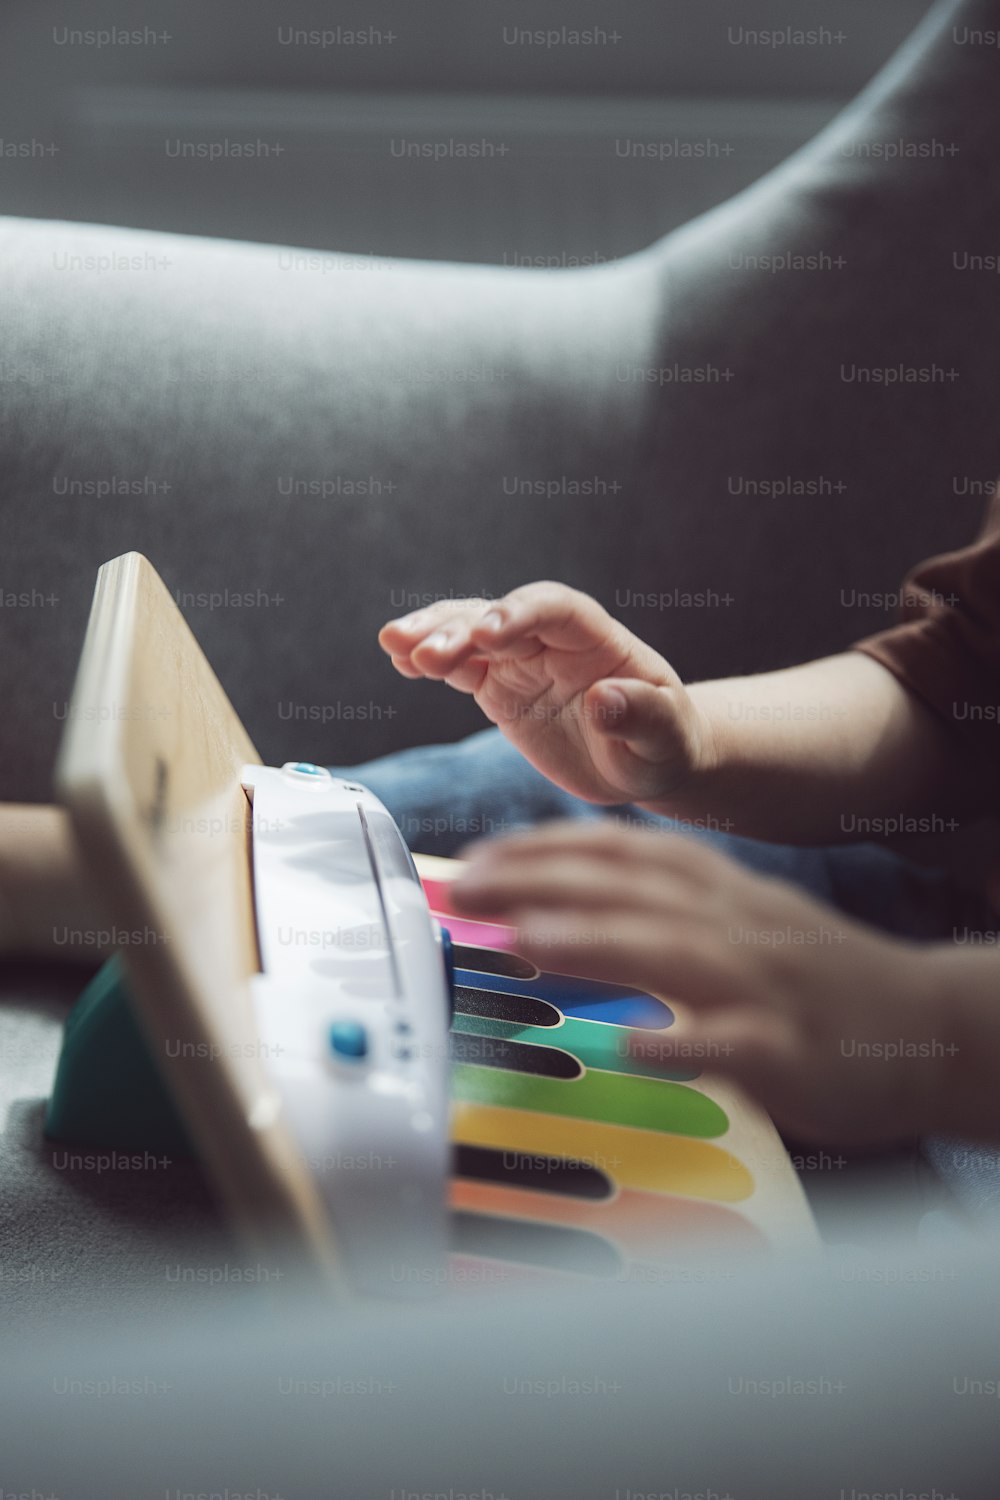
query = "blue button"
x=304 y=768
x=348 y=1039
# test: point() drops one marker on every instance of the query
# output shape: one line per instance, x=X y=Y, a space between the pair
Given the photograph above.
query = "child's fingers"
x=467 y=676
x=399 y=637
x=655 y=933
x=751 y=1046
x=662 y=957
x=435 y=642
x=558 y=615
x=648 y=719
x=550 y=614
x=440 y=654
x=652 y=850
x=679 y=1045
x=403 y=667
x=557 y=880
x=459 y=670
x=517 y=626
x=562 y=878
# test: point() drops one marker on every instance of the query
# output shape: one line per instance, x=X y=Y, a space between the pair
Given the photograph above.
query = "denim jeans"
x=442 y=796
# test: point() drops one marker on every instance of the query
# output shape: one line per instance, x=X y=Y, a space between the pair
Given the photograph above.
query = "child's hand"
x=835 y=1029
x=583 y=699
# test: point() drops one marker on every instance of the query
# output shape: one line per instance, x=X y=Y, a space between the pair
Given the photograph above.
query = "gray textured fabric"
x=225 y=375
x=780 y=1382
x=85 y=1231
x=222 y=372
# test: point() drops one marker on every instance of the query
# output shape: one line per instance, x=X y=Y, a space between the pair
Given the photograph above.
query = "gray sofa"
x=334 y=441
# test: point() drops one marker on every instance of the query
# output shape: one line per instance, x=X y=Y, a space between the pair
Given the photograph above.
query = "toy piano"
x=615 y=1167
x=301 y=1016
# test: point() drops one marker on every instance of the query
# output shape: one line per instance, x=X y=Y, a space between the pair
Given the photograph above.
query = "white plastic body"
x=346 y=936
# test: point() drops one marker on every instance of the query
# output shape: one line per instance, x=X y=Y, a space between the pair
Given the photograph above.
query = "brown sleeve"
x=947 y=650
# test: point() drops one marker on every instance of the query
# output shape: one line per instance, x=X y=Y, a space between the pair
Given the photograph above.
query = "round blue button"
x=348 y=1039
x=304 y=768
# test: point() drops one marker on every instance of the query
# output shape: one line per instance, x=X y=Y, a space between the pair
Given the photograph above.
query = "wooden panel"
x=150 y=771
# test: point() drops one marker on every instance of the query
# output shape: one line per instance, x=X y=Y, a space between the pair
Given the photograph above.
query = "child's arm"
x=832 y=750
x=793 y=755
x=45 y=909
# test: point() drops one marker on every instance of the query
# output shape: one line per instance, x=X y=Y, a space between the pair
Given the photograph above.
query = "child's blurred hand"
x=838 y=1031
x=584 y=700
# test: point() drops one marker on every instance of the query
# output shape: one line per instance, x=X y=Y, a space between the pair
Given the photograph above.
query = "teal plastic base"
x=108 y=1091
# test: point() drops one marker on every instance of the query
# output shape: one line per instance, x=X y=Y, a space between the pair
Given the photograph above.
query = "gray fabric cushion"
x=225 y=377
